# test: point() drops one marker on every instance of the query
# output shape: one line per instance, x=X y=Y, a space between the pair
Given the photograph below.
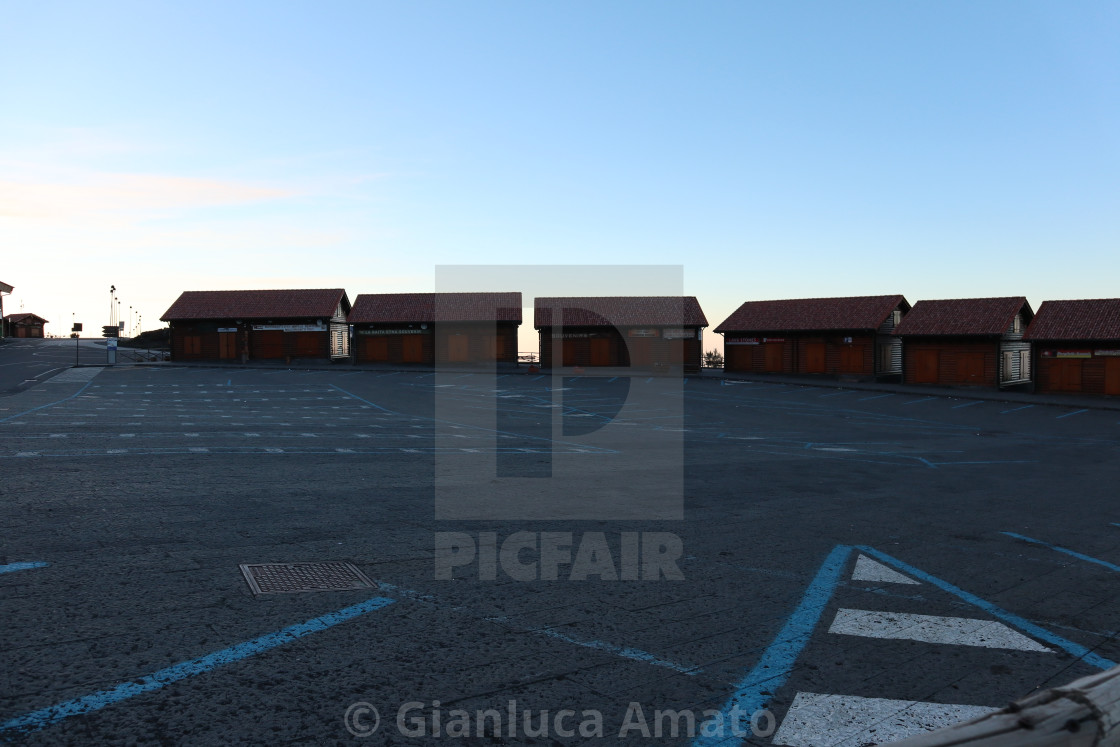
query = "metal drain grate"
x=281 y=578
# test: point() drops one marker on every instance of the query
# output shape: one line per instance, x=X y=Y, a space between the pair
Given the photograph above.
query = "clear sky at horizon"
x=774 y=150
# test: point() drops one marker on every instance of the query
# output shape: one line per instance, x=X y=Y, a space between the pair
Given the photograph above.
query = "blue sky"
x=774 y=150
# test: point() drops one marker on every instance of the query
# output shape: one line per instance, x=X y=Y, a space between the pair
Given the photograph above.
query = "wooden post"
x=1084 y=713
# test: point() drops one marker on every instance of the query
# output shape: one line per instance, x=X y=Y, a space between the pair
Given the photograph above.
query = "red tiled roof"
x=1090 y=319
x=19 y=318
x=257 y=304
x=620 y=311
x=401 y=308
x=964 y=316
x=789 y=315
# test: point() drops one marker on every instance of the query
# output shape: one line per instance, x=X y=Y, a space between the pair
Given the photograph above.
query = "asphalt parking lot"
x=858 y=564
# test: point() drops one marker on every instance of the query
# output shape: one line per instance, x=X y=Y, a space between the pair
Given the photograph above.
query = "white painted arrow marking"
x=870 y=570
x=959 y=631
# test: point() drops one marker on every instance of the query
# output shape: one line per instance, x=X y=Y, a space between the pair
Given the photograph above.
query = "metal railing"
x=1084 y=712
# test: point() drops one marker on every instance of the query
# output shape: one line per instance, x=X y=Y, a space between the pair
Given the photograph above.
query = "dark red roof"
x=257 y=304
x=964 y=316
x=620 y=311
x=1091 y=319
x=24 y=318
x=401 y=308
x=789 y=315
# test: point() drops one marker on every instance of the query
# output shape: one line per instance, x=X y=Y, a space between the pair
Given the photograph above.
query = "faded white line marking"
x=851 y=721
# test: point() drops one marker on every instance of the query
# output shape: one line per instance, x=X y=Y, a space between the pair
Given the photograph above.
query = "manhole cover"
x=280 y=578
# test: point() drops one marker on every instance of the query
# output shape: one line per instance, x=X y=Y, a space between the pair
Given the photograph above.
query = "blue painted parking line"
x=968 y=404
x=755 y=690
x=1115 y=524
x=1015 y=409
x=538 y=378
x=915 y=401
x=26 y=566
x=877 y=396
x=649 y=379
x=1074 y=649
x=612 y=379
x=625 y=652
x=1071 y=553
x=44 y=717
x=49 y=404
x=833 y=394
x=1075 y=412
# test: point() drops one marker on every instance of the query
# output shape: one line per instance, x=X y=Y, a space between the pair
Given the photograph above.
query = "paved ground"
x=25 y=362
x=861 y=564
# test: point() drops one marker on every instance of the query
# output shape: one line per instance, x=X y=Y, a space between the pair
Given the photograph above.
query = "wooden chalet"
x=24 y=325
x=643 y=332
x=431 y=328
x=838 y=336
x=1077 y=346
x=259 y=325
x=967 y=342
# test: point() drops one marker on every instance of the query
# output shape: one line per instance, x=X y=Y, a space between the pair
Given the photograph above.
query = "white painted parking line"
x=814 y=719
x=958 y=631
x=199 y=450
x=869 y=570
x=1075 y=412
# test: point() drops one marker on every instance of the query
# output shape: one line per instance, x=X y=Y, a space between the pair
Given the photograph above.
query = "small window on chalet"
x=1017 y=325
x=896 y=316
x=1008 y=366
x=1024 y=364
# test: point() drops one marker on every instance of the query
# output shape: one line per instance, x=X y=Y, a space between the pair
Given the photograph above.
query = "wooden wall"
x=202 y=341
x=1099 y=374
x=610 y=347
x=803 y=353
x=443 y=343
x=950 y=361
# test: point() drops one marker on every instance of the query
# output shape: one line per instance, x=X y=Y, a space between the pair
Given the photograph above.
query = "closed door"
x=412 y=349
x=737 y=358
x=491 y=346
x=814 y=357
x=376 y=348
x=270 y=343
x=926 y=365
x=970 y=368
x=641 y=351
x=309 y=344
x=1112 y=376
x=571 y=353
x=227 y=344
x=852 y=358
x=1065 y=375
x=458 y=348
x=772 y=356
x=600 y=351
